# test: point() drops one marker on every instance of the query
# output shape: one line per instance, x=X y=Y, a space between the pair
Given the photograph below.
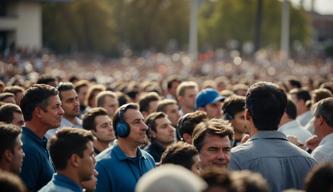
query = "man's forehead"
x=132 y=114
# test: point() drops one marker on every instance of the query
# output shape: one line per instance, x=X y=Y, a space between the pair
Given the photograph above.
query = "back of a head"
x=247 y=181
x=233 y=105
x=8 y=135
x=291 y=109
x=145 y=100
x=320 y=178
x=170 y=178
x=11 y=182
x=266 y=104
x=217 y=179
x=7 y=111
x=187 y=123
x=324 y=108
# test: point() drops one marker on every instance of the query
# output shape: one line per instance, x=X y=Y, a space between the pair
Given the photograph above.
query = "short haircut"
x=151 y=119
x=180 y=153
x=46 y=79
x=324 y=108
x=185 y=85
x=301 y=94
x=65 y=143
x=187 y=123
x=88 y=120
x=266 y=103
x=5 y=95
x=100 y=97
x=120 y=113
x=217 y=177
x=7 y=111
x=171 y=80
x=11 y=182
x=320 y=178
x=328 y=85
x=64 y=86
x=249 y=181
x=162 y=104
x=8 y=135
x=294 y=83
x=147 y=99
x=13 y=89
x=36 y=95
x=233 y=105
x=291 y=109
x=213 y=127
x=319 y=94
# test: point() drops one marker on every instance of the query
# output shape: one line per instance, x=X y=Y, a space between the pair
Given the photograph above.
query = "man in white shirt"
x=323 y=124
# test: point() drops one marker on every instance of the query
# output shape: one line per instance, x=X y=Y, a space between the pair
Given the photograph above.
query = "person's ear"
x=75 y=160
x=8 y=155
x=247 y=115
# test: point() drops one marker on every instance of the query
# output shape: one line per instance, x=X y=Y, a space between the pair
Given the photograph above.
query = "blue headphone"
x=122 y=128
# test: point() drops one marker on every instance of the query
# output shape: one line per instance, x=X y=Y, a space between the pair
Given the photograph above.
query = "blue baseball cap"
x=207 y=96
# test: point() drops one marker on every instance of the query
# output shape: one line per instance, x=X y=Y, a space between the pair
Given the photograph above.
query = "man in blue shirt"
x=74 y=164
x=281 y=163
x=120 y=167
x=41 y=108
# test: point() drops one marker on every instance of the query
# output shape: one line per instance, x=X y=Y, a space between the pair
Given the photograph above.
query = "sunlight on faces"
x=138 y=133
x=214 y=110
x=165 y=132
x=110 y=105
x=18 y=119
x=53 y=113
x=70 y=103
x=196 y=167
x=239 y=123
x=87 y=163
x=189 y=97
x=104 y=129
x=18 y=156
x=173 y=113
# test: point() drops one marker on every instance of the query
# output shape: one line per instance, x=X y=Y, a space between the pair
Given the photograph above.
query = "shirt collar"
x=122 y=156
x=269 y=135
x=34 y=137
x=288 y=125
x=327 y=138
x=66 y=182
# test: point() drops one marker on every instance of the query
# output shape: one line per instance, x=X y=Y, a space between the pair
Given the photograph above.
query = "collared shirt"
x=294 y=129
x=61 y=183
x=37 y=168
x=64 y=123
x=155 y=149
x=324 y=151
x=304 y=118
x=281 y=163
x=118 y=172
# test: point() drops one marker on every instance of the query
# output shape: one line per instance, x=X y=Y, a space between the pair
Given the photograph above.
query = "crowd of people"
x=151 y=126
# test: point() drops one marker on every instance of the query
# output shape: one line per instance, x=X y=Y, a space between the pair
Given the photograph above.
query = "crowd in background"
x=225 y=122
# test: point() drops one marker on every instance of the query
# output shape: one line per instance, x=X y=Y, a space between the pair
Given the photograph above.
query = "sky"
x=321 y=6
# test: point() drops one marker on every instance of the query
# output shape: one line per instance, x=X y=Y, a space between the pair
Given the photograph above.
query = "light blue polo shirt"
x=61 y=183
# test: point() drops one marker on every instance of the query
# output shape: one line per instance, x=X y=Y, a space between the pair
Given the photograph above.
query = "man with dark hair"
x=42 y=111
x=48 y=80
x=290 y=127
x=11 y=113
x=72 y=154
x=125 y=156
x=81 y=88
x=210 y=101
x=109 y=101
x=301 y=97
x=268 y=151
x=161 y=134
x=171 y=85
x=187 y=123
x=169 y=107
x=320 y=178
x=148 y=103
x=233 y=111
x=183 y=154
x=11 y=152
x=99 y=123
x=213 y=140
x=323 y=128
x=71 y=106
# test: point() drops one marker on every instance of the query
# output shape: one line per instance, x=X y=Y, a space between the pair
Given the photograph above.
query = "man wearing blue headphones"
x=120 y=168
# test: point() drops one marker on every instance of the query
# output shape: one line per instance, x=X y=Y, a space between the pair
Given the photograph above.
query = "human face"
x=18 y=119
x=173 y=89
x=214 y=110
x=104 y=130
x=82 y=92
x=110 y=105
x=152 y=106
x=215 y=151
x=87 y=163
x=239 y=122
x=196 y=167
x=70 y=103
x=173 y=113
x=138 y=133
x=51 y=117
x=189 y=97
x=18 y=156
x=165 y=132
